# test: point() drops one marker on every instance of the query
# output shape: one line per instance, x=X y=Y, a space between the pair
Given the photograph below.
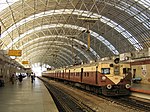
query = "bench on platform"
x=136 y=80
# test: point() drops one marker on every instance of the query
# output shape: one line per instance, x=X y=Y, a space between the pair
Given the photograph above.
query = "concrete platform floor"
x=141 y=88
x=26 y=97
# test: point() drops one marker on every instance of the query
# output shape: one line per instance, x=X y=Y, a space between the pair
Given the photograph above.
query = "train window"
x=116 y=70
x=87 y=74
x=105 y=70
x=126 y=70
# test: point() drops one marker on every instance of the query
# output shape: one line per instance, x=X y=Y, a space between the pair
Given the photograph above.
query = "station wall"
x=141 y=69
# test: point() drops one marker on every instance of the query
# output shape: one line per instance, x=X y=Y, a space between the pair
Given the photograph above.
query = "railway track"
x=129 y=102
x=70 y=103
x=66 y=102
x=132 y=103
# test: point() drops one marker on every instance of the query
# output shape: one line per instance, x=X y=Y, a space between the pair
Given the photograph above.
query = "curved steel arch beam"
x=54 y=65
x=77 y=49
x=60 y=64
x=64 y=50
x=64 y=59
x=39 y=52
x=54 y=36
x=103 y=19
x=94 y=34
x=43 y=48
x=68 y=59
x=59 y=47
x=141 y=2
x=104 y=41
x=48 y=54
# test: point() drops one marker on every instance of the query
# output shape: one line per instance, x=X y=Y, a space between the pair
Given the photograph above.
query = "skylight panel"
x=118 y=29
x=106 y=42
x=95 y=34
x=125 y=34
x=6 y=3
x=138 y=15
x=3 y=6
x=128 y=33
x=105 y=19
x=145 y=3
x=132 y=41
x=111 y=24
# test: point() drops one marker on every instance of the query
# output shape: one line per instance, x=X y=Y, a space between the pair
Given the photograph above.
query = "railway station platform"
x=140 y=90
x=26 y=97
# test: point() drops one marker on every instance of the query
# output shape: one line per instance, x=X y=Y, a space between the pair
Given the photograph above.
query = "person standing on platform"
x=1 y=81
x=32 y=77
x=12 y=78
x=20 y=78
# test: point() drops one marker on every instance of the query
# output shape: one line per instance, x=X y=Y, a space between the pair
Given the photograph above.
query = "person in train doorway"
x=20 y=78
x=32 y=77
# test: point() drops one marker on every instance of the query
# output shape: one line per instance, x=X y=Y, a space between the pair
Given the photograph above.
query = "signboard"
x=25 y=62
x=144 y=71
x=15 y=52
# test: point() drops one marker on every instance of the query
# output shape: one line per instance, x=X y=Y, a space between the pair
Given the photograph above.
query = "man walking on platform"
x=20 y=78
x=32 y=77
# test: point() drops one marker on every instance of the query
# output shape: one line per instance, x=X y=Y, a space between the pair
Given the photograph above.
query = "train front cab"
x=115 y=79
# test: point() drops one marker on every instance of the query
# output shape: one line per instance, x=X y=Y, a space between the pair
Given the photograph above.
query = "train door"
x=96 y=77
x=63 y=74
x=81 y=74
x=134 y=72
x=69 y=75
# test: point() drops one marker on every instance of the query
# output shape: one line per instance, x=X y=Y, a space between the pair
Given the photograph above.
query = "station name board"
x=15 y=52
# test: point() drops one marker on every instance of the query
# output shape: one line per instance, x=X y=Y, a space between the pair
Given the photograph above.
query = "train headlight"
x=103 y=78
x=128 y=86
x=109 y=86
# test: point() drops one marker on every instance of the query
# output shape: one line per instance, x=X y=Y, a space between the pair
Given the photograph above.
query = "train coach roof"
x=92 y=64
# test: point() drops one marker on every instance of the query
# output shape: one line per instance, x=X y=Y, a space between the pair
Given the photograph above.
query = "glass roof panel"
x=145 y=3
x=6 y=3
x=137 y=14
x=68 y=11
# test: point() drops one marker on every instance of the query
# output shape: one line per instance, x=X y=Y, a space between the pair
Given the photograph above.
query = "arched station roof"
x=56 y=30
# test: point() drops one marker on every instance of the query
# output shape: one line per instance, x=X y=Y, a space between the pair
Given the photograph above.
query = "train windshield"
x=105 y=70
x=116 y=70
